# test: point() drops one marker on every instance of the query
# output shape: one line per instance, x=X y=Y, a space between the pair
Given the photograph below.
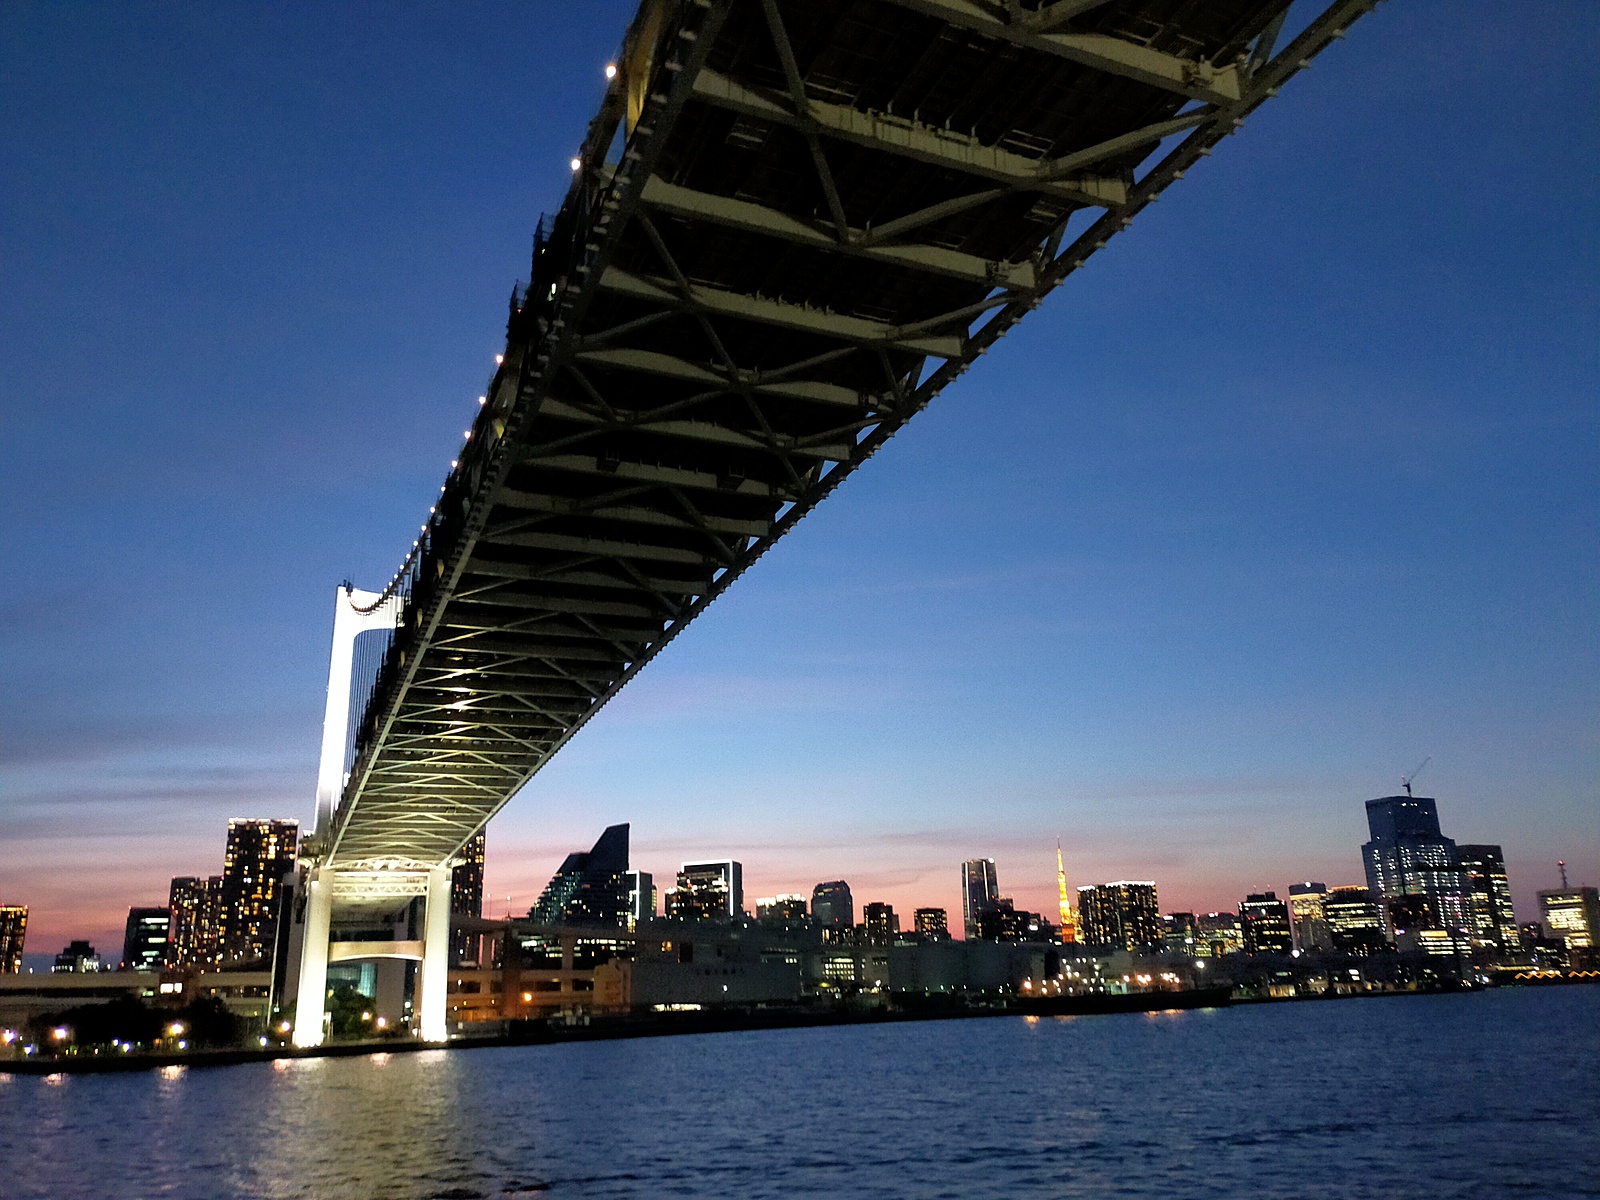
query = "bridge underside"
x=794 y=222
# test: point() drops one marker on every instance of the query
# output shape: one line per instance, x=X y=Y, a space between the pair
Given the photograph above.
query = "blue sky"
x=1293 y=486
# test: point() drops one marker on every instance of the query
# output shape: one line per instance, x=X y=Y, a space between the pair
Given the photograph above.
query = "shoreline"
x=644 y=1025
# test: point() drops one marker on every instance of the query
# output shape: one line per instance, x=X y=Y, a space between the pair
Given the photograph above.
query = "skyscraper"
x=589 y=889
x=194 y=938
x=13 y=933
x=640 y=887
x=144 y=939
x=1355 y=923
x=466 y=897
x=832 y=906
x=259 y=855
x=1309 y=916
x=1264 y=920
x=1123 y=915
x=708 y=891
x=1492 y=920
x=1408 y=856
x=881 y=924
x=980 y=890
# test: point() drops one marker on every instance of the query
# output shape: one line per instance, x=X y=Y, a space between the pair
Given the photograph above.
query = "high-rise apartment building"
x=194 y=936
x=932 y=924
x=144 y=939
x=708 y=891
x=259 y=855
x=1308 y=914
x=1264 y=922
x=13 y=934
x=1408 y=856
x=1492 y=921
x=980 y=892
x=466 y=897
x=1355 y=922
x=881 y=924
x=590 y=888
x=1124 y=915
x=1572 y=914
x=640 y=887
x=832 y=906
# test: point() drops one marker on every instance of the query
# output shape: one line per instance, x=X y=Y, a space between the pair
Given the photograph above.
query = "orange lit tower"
x=1069 y=930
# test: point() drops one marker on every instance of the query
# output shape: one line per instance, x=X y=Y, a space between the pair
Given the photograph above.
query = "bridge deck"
x=794 y=223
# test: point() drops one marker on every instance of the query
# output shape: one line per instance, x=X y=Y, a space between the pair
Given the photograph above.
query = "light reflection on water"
x=1471 y=1096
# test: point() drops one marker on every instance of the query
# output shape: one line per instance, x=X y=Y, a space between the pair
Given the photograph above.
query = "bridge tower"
x=334 y=891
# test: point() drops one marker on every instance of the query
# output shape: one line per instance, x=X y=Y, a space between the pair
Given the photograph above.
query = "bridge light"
x=482 y=401
x=577 y=164
x=611 y=70
x=499 y=359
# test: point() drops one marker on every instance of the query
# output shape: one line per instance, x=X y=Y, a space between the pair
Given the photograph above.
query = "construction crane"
x=1406 y=780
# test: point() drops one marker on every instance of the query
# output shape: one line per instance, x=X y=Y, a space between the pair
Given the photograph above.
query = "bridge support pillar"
x=312 y=993
x=434 y=978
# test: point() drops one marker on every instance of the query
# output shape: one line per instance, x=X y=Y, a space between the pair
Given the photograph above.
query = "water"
x=1490 y=1095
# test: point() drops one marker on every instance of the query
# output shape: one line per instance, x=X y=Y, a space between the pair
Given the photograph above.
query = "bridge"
x=791 y=224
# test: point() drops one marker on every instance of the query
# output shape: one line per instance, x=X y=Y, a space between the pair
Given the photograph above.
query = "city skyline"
x=1255 y=575
x=606 y=869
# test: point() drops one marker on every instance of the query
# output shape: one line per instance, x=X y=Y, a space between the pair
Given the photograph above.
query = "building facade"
x=1409 y=856
x=77 y=958
x=1355 y=922
x=1573 y=915
x=194 y=935
x=1122 y=916
x=466 y=897
x=1218 y=933
x=1309 y=916
x=711 y=890
x=144 y=939
x=259 y=855
x=640 y=887
x=590 y=888
x=1264 y=924
x=932 y=923
x=1492 y=921
x=880 y=924
x=980 y=892
x=832 y=906
x=13 y=935
x=1180 y=934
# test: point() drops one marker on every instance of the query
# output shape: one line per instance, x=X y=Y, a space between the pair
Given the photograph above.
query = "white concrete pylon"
x=348 y=624
x=434 y=979
x=312 y=994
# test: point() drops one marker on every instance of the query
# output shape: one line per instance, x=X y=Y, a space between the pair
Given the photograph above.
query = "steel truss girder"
x=430 y=794
x=1114 y=56
x=859 y=331
x=755 y=218
x=910 y=139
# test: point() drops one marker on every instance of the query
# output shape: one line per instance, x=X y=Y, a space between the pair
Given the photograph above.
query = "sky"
x=1294 y=486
